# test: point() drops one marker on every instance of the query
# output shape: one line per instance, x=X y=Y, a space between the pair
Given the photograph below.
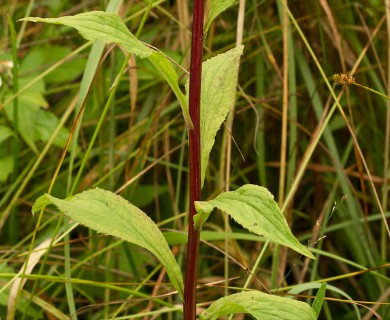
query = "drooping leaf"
x=108 y=27
x=100 y=25
x=261 y=306
x=216 y=7
x=161 y=62
x=106 y=212
x=255 y=209
x=219 y=81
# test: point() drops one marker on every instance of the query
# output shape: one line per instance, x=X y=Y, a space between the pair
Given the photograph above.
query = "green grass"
x=131 y=138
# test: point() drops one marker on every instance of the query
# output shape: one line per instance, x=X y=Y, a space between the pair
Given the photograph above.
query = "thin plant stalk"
x=14 y=223
x=194 y=160
x=385 y=191
x=229 y=127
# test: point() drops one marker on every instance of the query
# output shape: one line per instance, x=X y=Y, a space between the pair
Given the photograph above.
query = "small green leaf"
x=255 y=209
x=319 y=300
x=106 y=212
x=219 y=81
x=203 y=210
x=216 y=7
x=261 y=306
x=108 y=27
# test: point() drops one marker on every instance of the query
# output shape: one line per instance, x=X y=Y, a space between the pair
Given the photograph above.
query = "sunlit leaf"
x=255 y=209
x=219 y=81
x=261 y=306
x=108 y=27
x=106 y=212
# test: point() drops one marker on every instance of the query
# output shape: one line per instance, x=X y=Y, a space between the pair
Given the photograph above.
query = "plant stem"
x=194 y=160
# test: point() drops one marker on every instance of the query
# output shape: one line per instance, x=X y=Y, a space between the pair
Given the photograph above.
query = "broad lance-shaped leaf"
x=108 y=27
x=255 y=209
x=106 y=212
x=219 y=81
x=261 y=306
x=216 y=7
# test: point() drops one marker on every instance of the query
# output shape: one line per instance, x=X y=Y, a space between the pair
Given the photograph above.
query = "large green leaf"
x=216 y=7
x=108 y=27
x=255 y=209
x=261 y=306
x=219 y=81
x=106 y=212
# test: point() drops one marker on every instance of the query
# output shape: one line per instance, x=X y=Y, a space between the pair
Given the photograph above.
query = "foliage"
x=128 y=136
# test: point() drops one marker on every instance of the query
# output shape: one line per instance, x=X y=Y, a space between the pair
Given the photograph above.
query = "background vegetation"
x=141 y=153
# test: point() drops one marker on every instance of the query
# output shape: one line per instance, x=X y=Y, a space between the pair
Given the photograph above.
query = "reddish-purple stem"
x=194 y=155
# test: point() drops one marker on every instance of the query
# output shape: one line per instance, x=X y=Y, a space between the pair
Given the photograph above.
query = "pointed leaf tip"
x=255 y=209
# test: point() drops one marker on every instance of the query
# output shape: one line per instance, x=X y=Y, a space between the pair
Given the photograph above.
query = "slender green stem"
x=14 y=221
x=372 y=90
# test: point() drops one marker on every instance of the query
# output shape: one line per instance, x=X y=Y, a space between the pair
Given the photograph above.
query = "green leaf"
x=161 y=62
x=108 y=27
x=35 y=124
x=5 y=133
x=255 y=209
x=27 y=116
x=216 y=7
x=43 y=56
x=7 y=166
x=45 y=124
x=319 y=300
x=29 y=104
x=315 y=285
x=95 y=25
x=261 y=306
x=106 y=212
x=219 y=81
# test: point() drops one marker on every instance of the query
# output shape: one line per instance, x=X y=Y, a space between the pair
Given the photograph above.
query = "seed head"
x=343 y=79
